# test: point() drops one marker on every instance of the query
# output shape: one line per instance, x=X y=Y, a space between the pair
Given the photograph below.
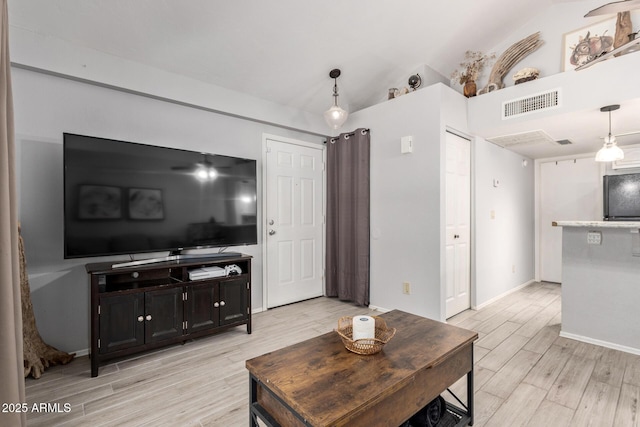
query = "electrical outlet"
x=406 y=288
x=594 y=238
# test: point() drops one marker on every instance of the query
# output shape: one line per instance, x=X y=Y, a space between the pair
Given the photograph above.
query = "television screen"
x=124 y=198
x=622 y=197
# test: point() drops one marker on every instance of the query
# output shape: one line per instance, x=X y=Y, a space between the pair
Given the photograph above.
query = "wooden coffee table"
x=320 y=383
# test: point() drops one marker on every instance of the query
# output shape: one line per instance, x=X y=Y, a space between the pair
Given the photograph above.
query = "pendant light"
x=335 y=116
x=610 y=150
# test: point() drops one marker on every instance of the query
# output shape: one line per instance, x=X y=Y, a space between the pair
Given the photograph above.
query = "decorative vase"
x=469 y=89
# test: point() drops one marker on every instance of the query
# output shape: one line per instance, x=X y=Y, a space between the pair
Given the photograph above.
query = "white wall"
x=504 y=245
x=553 y=23
x=57 y=56
x=45 y=107
x=405 y=201
x=407 y=205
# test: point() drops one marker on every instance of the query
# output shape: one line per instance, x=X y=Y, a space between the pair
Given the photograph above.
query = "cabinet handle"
x=222 y=303
x=216 y=305
x=140 y=318
x=148 y=317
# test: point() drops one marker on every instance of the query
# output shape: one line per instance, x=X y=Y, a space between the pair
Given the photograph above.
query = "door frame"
x=537 y=202
x=265 y=256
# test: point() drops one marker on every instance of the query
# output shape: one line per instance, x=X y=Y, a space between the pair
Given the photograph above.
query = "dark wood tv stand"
x=143 y=307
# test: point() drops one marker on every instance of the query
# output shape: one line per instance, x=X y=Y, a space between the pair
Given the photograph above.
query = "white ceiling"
x=585 y=129
x=283 y=50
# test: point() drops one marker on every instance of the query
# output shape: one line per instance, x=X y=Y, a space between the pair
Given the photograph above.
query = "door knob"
x=148 y=317
x=216 y=305
x=272 y=232
x=140 y=318
x=222 y=303
x=271 y=222
x=456 y=236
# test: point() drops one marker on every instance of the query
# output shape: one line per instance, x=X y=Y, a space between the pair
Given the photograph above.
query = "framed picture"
x=145 y=204
x=586 y=44
x=99 y=202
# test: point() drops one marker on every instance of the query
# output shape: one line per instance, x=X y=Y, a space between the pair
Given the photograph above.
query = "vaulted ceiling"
x=283 y=50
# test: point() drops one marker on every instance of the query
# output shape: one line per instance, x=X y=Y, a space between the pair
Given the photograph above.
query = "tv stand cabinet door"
x=199 y=308
x=163 y=314
x=233 y=301
x=121 y=322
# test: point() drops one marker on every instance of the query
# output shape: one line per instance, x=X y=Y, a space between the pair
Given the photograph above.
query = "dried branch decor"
x=514 y=54
x=38 y=355
x=472 y=66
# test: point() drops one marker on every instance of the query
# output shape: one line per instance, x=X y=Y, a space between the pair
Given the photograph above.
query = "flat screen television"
x=127 y=198
x=622 y=197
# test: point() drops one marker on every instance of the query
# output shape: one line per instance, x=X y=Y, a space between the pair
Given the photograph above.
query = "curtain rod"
x=346 y=136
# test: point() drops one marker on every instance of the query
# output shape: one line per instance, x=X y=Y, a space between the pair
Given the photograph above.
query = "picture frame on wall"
x=587 y=43
x=145 y=204
x=96 y=202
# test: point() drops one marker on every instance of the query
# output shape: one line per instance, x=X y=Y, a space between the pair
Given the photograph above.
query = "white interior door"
x=458 y=224
x=295 y=222
x=570 y=190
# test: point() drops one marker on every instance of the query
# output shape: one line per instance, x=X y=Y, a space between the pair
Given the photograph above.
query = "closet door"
x=458 y=225
x=570 y=190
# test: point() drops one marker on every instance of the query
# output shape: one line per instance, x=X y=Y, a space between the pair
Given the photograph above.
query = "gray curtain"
x=11 y=363
x=348 y=217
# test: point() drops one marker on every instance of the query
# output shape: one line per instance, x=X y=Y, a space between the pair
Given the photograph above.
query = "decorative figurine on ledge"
x=525 y=75
x=471 y=69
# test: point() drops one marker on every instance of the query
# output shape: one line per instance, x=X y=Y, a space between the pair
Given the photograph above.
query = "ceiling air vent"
x=520 y=139
x=564 y=142
x=531 y=104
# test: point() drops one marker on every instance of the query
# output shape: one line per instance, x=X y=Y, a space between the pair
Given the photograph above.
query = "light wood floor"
x=525 y=374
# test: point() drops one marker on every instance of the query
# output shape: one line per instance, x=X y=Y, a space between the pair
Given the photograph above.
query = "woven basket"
x=367 y=345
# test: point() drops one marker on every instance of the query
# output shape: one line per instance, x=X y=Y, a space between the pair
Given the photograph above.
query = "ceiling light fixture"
x=610 y=150
x=335 y=116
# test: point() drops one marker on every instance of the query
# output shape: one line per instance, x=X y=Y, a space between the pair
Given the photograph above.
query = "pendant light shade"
x=610 y=151
x=335 y=116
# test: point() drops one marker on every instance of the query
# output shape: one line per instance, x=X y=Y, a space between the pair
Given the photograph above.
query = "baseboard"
x=509 y=292
x=80 y=353
x=601 y=343
x=380 y=309
x=484 y=304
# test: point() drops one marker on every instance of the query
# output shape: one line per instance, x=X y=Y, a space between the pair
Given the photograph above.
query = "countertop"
x=597 y=224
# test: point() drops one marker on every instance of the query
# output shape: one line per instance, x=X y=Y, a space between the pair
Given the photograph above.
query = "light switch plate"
x=635 y=242
x=406 y=144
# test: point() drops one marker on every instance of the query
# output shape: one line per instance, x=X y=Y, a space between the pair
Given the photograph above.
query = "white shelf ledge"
x=630 y=47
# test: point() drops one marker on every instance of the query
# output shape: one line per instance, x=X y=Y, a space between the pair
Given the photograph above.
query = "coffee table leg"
x=470 y=390
x=253 y=398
